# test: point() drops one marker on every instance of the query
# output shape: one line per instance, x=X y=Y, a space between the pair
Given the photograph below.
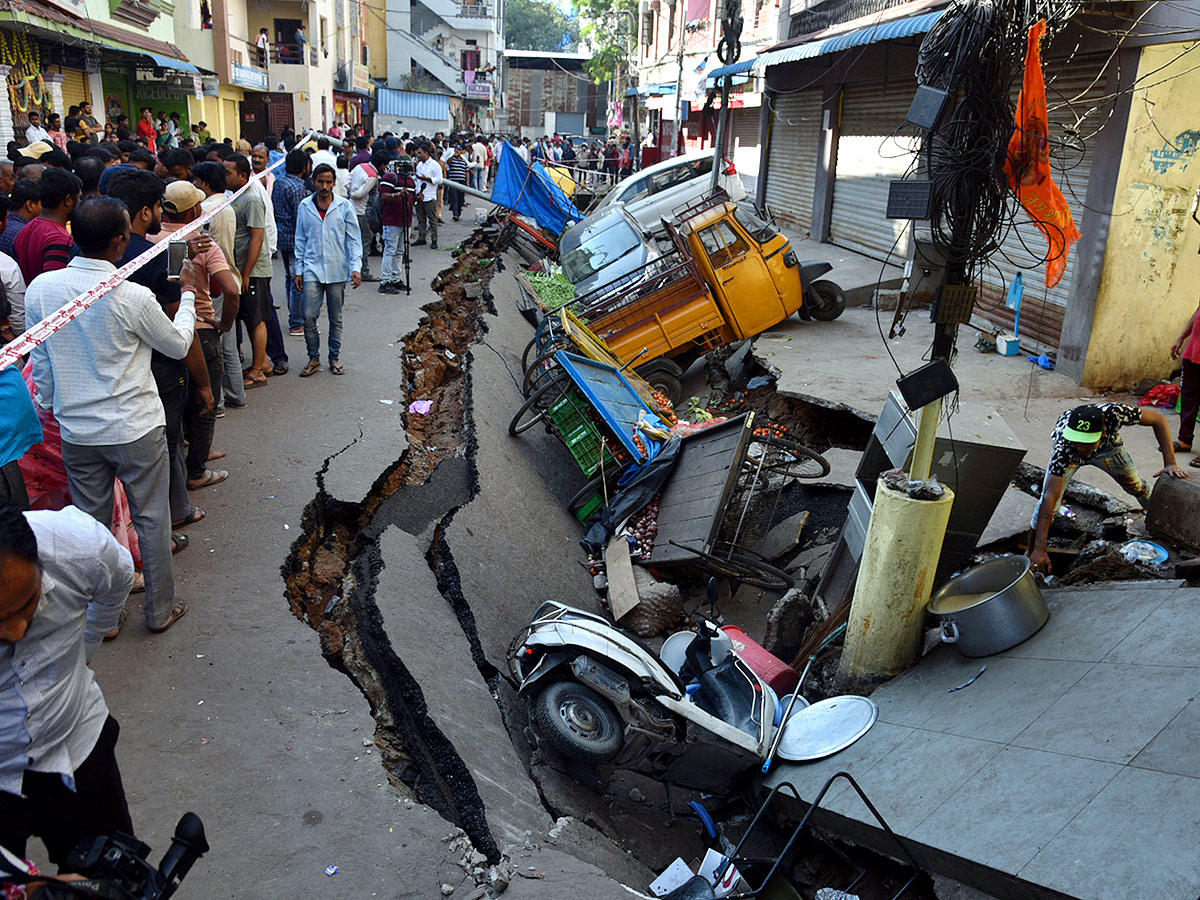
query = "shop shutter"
x=869 y=159
x=795 y=136
x=75 y=89
x=743 y=144
x=1024 y=246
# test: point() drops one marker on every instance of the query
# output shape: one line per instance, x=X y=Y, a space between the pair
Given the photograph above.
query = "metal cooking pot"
x=991 y=607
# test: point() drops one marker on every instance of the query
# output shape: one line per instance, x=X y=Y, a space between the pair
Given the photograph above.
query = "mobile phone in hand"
x=177 y=252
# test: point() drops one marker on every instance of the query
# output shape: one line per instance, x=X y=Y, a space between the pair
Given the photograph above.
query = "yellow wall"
x=1151 y=278
x=220 y=112
x=373 y=13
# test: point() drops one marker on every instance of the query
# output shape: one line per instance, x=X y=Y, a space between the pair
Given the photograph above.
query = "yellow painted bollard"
x=895 y=579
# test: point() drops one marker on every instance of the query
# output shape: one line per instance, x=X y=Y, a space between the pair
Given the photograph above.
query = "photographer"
x=64 y=580
x=396 y=189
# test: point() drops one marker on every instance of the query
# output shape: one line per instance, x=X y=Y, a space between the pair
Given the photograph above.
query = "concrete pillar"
x=96 y=92
x=895 y=579
x=54 y=83
x=6 y=116
x=831 y=127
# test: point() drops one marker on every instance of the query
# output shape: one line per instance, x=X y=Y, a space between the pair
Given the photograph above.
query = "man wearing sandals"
x=328 y=253
x=64 y=580
x=1091 y=435
x=96 y=377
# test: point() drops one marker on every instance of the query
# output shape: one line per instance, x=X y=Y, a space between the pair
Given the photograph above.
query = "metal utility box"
x=976 y=455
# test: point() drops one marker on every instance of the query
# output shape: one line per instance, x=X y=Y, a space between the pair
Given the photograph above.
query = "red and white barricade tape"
x=60 y=318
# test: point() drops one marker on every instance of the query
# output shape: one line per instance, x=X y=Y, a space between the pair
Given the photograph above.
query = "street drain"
x=332 y=571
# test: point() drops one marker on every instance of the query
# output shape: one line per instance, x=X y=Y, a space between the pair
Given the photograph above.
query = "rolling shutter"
x=75 y=89
x=869 y=159
x=1023 y=250
x=743 y=144
x=795 y=139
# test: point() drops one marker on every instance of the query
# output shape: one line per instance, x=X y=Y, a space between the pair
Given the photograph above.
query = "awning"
x=872 y=34
x=646 y=90
x=166 y=62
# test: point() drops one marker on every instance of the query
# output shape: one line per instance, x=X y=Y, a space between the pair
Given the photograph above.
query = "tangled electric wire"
x=974 y=53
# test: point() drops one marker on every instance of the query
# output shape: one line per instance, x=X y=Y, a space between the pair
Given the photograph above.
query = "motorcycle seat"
x=726 y=694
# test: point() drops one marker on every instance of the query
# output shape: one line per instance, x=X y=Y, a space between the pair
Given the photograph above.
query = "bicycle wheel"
x=535 y=408
x=768 y=456
x=753 y=572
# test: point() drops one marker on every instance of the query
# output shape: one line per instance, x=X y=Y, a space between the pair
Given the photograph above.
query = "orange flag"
x=1028 y=164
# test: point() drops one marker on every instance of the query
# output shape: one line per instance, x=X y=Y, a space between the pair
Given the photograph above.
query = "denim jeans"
x=295 y=297
x=455 y=198
x=1117 y=462
x=367 y=235
x=333 y=296
x=477 y=178
x=393 y=254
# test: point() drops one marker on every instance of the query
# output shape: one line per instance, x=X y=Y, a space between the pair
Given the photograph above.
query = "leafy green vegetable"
x=555 y=291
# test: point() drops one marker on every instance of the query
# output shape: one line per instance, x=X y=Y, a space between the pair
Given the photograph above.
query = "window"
x=366 y=55
x=635 y=189
x=647 y=29
x=673 y=176
x=761 y=230
x=469 y=59
x=722 y=244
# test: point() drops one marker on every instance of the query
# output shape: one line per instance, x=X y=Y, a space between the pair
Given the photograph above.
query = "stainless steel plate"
x=826 y=727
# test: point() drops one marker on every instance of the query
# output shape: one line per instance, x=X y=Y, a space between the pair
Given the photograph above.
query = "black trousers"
x=198 y=429
x=1189 y=402
x=59 y=816
x=12 y=486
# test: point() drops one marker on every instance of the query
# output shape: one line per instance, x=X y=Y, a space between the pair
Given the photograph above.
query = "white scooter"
x=599 y=696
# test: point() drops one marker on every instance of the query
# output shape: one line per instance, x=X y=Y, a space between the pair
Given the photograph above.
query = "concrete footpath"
x=1071 y=768
x=846 y=364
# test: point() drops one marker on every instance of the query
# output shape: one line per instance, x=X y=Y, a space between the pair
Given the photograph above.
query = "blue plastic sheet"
x=532 y=192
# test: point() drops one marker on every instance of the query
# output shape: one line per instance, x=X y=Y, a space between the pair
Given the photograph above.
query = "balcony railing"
x=475 y=10
x=293 y=54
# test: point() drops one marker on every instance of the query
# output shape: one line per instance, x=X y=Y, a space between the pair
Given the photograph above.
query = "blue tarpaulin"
x=532 y=192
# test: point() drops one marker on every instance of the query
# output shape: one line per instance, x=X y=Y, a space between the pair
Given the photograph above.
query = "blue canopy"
x=532 y=192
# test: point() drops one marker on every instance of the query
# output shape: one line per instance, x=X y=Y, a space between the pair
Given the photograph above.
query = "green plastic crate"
x=580 y=433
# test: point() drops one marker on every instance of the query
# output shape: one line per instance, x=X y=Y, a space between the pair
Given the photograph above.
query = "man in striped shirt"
x=44 y=244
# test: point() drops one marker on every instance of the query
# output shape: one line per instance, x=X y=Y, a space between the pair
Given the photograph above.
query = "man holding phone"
x=210 y=274
x=429 y=178
x=328 y=253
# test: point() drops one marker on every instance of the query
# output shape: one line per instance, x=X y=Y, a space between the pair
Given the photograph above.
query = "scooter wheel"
x=578 y=723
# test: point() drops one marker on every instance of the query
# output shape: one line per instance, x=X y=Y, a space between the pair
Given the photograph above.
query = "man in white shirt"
x=95 y=375
x=363 y=179
x=35 y=132
x=479 y=155
x=64 y=580
x=323 y=155
x=429 y=178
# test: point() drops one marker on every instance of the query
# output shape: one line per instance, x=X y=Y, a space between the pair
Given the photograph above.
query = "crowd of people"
x=107 y=430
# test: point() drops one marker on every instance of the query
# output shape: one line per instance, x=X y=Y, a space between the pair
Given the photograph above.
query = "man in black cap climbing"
x=1091 y=436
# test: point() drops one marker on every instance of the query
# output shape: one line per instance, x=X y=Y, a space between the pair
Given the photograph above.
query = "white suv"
x=654 y=193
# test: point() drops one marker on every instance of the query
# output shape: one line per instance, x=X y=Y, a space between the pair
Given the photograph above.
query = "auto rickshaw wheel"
x=825 y=300
x=578 y=723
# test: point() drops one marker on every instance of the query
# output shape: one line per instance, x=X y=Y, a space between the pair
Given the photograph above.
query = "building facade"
x=550 y=93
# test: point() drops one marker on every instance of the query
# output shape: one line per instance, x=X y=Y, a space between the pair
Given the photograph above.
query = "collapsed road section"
x=333 y=570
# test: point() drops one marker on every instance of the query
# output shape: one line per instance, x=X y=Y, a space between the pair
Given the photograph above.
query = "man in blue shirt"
x=286 y=195
x=328 y=252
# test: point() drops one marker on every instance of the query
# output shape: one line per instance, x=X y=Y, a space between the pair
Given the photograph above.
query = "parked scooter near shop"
x=599 y=696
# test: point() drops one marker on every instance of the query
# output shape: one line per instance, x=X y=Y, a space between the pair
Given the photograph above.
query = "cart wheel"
x=662 y=381
x=525 y=353
x=578 y=723
x=537 y=370
x=532 y=410
x=753 y=572
x=782 y=457
x=825 y=300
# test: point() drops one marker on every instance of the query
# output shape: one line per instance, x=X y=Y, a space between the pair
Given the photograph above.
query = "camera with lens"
x=117 y=866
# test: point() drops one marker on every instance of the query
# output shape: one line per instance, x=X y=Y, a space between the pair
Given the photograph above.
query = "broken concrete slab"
x=622 y=589
x=1174 y=512
x=1013 y=514
x=843 y=466
x=784 y=538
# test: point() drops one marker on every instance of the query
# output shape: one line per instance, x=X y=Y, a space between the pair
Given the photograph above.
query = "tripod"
x=407 y=257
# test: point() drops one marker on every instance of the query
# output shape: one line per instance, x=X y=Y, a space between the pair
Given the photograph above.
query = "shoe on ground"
x=176 y=615
x=433 y=246
x=419 y=242
x=369 y=277
x=388 y=288
x=139 y=583
x=112 y=635
x=230 y=403
x=296 y=332
x=220 y=413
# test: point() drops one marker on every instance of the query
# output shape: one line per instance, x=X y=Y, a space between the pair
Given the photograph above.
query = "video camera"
x=117 y=867
x=404 y=167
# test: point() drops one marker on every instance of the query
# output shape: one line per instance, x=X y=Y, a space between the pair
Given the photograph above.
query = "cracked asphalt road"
x=235 y=714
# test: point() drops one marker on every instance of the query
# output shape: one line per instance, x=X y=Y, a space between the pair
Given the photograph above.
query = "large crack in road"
x=332 y=572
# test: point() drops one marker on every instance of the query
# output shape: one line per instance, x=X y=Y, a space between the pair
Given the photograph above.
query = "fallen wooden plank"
x=622 y=589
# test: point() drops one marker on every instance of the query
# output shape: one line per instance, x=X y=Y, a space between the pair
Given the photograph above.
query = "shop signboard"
x=249 y=77
x=360 y=77
x=479 y=90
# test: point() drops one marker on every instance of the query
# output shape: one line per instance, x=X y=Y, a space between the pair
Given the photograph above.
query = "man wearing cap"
x=1091 y=435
